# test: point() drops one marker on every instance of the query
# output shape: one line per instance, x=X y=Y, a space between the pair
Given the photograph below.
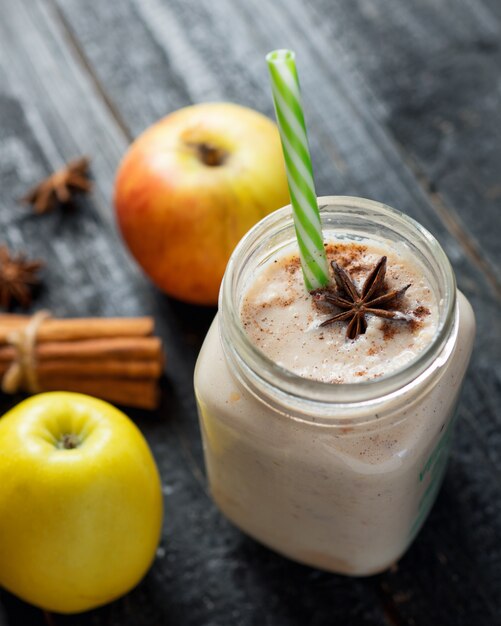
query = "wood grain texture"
x=85 y=78
x=434 y=66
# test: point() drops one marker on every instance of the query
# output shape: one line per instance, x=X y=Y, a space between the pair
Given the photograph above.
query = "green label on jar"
x=432 y=473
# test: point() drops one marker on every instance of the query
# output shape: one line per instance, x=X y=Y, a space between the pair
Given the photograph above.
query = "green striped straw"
x=292 y=127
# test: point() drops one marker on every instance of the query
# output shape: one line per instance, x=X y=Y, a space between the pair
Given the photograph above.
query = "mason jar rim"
x=318 y=401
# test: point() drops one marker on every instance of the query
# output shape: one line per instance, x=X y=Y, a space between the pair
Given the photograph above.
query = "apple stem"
x=210 y=154
x=69 y=441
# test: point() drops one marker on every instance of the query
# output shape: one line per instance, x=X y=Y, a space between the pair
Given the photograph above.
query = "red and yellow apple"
x=190 y=187
x=80 y=502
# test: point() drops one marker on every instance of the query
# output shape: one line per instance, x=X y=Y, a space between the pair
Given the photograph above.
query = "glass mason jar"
x=336 y=476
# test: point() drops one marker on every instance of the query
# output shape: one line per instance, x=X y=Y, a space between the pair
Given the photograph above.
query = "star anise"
x=355 y=305
x=17 y=275
x=60 y=187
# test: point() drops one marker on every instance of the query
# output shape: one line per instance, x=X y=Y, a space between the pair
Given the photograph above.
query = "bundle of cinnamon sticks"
x=116 y=359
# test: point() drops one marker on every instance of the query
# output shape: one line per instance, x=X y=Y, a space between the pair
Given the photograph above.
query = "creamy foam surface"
x=283 y=320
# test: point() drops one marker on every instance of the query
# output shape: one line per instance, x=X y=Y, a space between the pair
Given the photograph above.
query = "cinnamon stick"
x=79 y=328
x=106 y=348
x=116 y=359
x=109 y=368
x=141 y=394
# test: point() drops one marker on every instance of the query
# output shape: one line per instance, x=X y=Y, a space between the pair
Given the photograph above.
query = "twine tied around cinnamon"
x=22 y=373
x=117 y=359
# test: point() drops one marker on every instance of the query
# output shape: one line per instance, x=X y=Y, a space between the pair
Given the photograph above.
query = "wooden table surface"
x=403 y=102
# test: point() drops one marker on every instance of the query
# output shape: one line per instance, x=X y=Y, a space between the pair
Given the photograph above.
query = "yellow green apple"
x=80 y=502
x=191 y=186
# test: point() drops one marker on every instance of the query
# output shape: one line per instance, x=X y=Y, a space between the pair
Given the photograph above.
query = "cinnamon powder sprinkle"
x=389 y=330
x=421 y=311
x=282 y=318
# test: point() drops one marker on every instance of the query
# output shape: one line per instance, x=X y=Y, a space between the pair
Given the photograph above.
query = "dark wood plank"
x=434 y=65
x=14 y=612
x=59 y=100
x=179 y=52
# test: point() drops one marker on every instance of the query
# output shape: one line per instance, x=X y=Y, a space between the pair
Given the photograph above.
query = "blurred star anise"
x=17 y=275
x=60 y=187
x=354 y=305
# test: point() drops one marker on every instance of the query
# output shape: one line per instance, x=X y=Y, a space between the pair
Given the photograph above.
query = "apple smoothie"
x=326 y=447
x=292 y=327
